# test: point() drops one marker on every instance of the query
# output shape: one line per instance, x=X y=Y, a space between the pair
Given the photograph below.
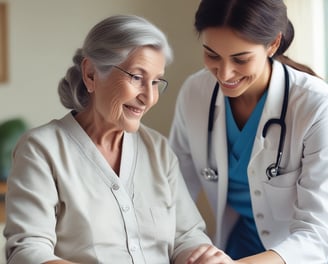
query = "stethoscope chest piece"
x=209 y=174
x=272 y=171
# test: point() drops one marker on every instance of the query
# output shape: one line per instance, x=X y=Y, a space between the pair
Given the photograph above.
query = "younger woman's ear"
x=274 y=46
x=88 y=72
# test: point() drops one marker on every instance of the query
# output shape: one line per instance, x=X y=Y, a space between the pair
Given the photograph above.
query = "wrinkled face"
x=117 y=100
x=240 y=66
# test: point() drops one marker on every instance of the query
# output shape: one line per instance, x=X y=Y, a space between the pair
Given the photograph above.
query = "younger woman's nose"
x=224 y=71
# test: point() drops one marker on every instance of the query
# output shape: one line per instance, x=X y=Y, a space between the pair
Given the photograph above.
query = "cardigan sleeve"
x=30 y=206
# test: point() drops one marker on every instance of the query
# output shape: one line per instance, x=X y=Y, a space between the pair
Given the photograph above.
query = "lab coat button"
x=115 y=187
x=259 y=216
x=257 y=192
x=265 y=232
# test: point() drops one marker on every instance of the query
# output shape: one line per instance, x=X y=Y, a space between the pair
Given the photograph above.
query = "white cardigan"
x=65 y=202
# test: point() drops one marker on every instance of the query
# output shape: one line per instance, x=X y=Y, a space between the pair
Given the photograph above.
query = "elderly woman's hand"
x=208 y=254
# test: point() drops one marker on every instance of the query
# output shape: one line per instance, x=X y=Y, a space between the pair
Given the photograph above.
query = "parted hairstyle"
x=258 y=21
x=108 y=43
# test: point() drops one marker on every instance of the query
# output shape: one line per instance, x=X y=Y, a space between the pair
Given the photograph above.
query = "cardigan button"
x=133 y=248
x=125 y=208
x=115 y=187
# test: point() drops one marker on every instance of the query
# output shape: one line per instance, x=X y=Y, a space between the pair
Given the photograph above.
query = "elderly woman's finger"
x=204 y=253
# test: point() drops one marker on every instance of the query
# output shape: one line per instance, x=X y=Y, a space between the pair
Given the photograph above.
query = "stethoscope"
x=273 y=169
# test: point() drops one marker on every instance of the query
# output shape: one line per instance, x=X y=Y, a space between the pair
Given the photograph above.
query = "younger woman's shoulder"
x=308 y=81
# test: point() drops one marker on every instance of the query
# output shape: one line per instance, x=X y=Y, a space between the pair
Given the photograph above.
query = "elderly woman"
x=97 y=186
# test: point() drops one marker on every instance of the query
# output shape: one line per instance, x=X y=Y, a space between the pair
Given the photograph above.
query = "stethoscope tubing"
x=273 y=170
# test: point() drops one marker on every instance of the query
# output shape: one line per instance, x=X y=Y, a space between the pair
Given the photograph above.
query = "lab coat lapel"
x=199 y=129
x=221 y=158
x=272 y=109
x=219 y=142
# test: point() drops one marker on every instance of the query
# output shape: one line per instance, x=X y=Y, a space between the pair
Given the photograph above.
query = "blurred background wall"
x=44 y=34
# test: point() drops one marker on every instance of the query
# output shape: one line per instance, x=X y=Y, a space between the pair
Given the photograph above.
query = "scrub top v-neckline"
x=240 y=144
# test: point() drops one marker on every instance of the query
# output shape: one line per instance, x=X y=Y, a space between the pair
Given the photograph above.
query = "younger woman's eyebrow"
x=233 y=55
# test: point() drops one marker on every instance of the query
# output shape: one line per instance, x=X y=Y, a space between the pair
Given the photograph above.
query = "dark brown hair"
x=259 y=21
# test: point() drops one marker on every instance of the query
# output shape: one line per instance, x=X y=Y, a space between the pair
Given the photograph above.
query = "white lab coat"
x=291 y=210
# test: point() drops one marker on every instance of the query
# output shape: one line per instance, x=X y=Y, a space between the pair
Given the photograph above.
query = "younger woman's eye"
x=240 y=61
x=212 y=55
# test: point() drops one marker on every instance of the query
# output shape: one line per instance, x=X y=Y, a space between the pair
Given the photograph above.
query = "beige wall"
x=43 y=35
x=308 y=46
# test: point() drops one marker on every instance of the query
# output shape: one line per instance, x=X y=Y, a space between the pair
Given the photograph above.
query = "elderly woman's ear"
x=88 y=71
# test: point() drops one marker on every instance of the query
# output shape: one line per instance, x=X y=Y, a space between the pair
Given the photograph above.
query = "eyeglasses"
x=138 y=81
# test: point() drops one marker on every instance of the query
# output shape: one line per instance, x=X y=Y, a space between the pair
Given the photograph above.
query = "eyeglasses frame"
x=133 y=75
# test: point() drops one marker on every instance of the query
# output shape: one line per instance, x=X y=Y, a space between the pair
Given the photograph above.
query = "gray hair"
x=109 y=43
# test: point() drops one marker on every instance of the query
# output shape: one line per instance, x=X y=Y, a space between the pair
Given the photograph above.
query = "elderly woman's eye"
x=137 y=77
x=155 y=82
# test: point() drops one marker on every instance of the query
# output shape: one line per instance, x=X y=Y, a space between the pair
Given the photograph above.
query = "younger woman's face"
x=241 y=67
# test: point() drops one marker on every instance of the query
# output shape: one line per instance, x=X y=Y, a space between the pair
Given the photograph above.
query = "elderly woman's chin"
x=132 y=126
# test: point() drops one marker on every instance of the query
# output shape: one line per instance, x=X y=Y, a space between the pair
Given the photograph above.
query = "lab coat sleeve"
x=179 y=141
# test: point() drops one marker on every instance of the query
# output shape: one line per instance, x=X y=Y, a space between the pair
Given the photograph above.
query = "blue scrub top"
x=244 y=239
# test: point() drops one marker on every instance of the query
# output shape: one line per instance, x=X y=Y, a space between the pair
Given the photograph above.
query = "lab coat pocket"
x=281 y=195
